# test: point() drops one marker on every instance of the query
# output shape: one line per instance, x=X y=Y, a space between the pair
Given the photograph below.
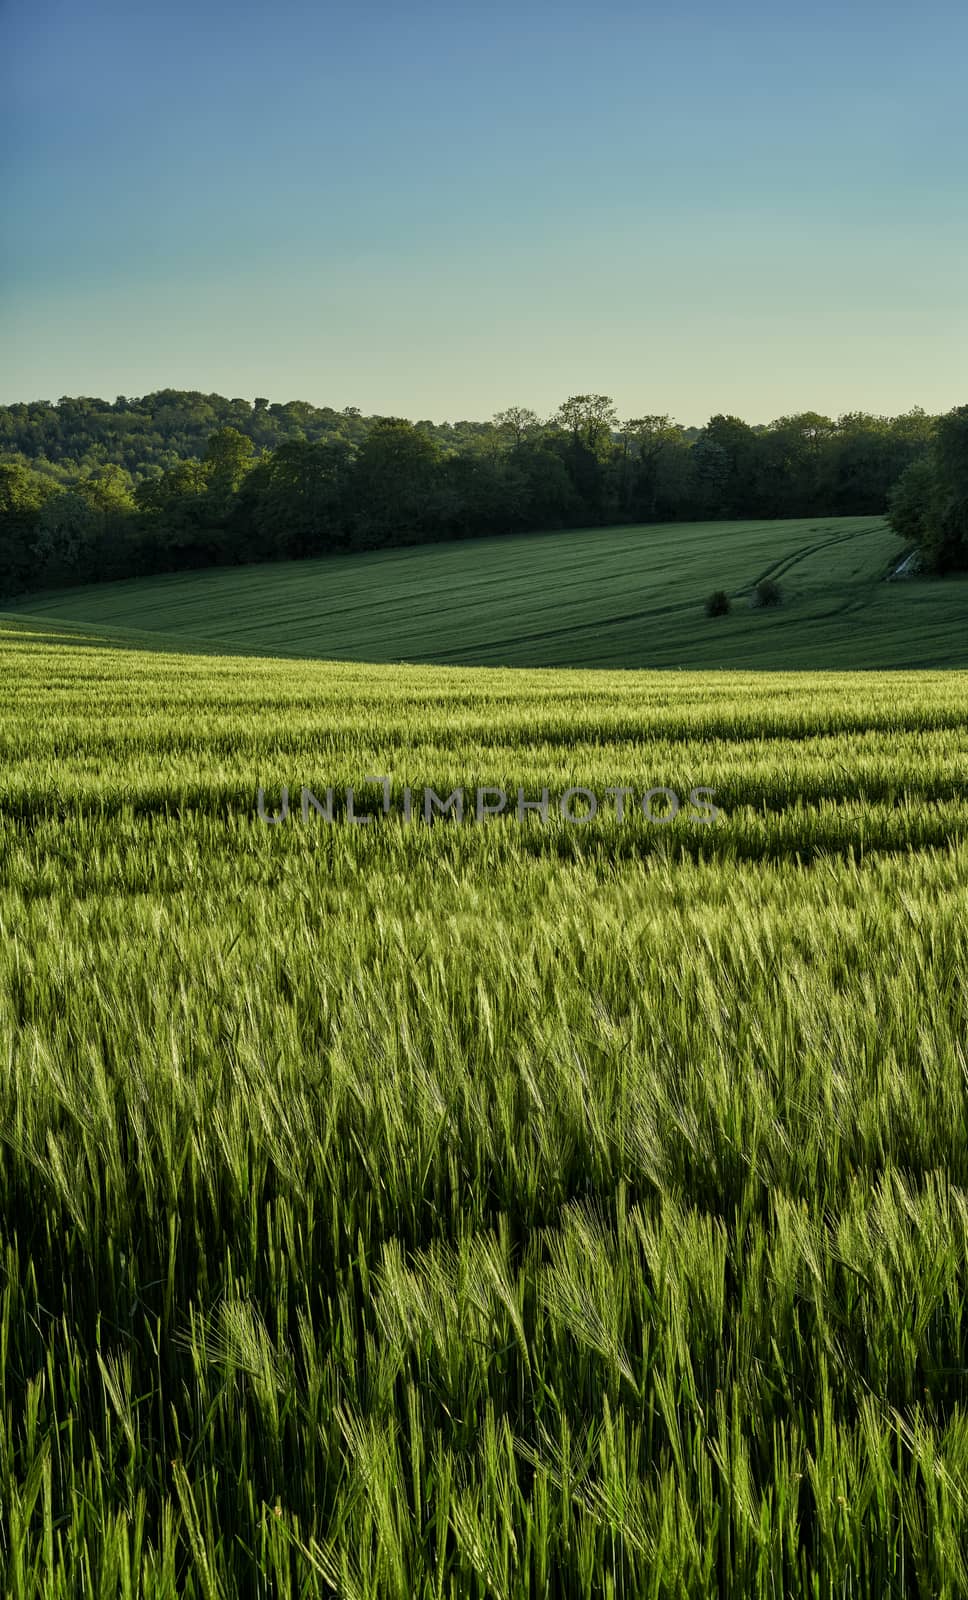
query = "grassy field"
x=609 y=597
x=491 y=1209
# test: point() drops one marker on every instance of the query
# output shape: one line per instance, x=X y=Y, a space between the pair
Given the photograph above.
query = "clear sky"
x=438 y=210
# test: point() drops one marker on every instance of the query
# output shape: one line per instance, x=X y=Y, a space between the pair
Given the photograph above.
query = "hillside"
x=614 y=597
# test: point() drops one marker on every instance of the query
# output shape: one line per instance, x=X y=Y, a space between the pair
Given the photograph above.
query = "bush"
x=718 y=603
x=767 y=593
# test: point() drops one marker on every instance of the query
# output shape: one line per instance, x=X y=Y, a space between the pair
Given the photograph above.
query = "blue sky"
x=440 y=210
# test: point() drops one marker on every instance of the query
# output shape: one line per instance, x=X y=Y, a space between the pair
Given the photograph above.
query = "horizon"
x=442 y=422
x=439 y=216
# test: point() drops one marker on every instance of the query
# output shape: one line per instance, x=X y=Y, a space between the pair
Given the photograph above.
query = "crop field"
x=606 y=597
x=479 y=1209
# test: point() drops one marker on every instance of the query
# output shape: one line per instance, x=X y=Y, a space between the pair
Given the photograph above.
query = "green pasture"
x=606 y=597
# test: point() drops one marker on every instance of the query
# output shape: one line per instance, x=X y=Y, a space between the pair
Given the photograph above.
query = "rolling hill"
x=606 y=597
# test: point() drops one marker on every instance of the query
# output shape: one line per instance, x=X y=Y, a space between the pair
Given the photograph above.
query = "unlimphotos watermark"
x=579 y=805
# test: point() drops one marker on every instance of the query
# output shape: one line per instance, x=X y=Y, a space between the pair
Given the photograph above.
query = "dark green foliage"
x=292 y=503
x=154 y=432
x=910 y=500
x=947 y=524
x=718 y=603
x=23 y=494
x=929 y=505
x=767 y=593
x=221 y=481
x=395 y=484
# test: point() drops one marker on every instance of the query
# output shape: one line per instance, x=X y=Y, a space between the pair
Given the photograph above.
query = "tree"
x=229 y=456
x=646 y=443
x=517 y=423
x=394 y=479
x=180 y=479
x=173 y=515
x=590 y=419
x=910 y=501
x=586 y=423
x=65 y=541
x=88 y=532
x=293 y=502
x=710 y=475
x=791 y=456
x=946 y=526
x=22 y=497
x=547 y=494
x=930 y=502
x=737 y=485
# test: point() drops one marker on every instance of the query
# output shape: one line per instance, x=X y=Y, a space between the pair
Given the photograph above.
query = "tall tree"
x=90 y=531
x=930 y=503
x=587 y=423
x=229 y=457
x=394 y=480
x=517 y=424
x=293 y=503
x=739 y=487
x=591 y=419
x=948 y=523
x=646 y=443
x=23 y=494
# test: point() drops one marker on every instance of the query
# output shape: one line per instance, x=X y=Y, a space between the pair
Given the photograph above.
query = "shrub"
x=767 y=593
x=718 y=603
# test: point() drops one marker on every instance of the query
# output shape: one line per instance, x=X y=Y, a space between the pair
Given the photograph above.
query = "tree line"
x=91 y=490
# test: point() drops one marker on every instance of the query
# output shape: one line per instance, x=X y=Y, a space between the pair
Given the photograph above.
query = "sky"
x=440 y=210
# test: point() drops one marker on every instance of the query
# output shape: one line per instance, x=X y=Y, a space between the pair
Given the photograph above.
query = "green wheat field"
x=600 y=597
x=480 y=1211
